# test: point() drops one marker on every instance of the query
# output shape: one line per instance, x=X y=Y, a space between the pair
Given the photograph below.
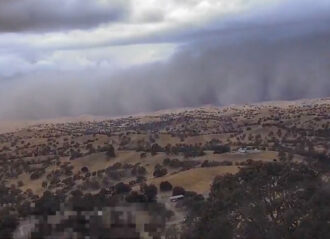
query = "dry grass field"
x=52 y=154
x=197 y=179
x=184 y=148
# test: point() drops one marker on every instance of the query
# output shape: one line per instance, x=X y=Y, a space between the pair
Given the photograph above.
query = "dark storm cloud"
x=201 y=73
x=245 y=61
x=290 y=18
x=49 y=15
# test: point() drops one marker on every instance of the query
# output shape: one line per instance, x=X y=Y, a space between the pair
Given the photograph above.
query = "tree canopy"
x=265 y=201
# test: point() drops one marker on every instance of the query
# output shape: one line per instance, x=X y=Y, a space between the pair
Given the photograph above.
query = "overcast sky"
x=112 y=57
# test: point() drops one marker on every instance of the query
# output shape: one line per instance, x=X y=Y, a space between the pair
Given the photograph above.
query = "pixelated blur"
x=128 y=221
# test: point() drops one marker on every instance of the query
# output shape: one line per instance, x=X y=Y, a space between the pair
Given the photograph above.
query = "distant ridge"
x=7 y=126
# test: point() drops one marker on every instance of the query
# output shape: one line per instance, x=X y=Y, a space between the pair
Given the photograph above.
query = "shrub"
x=122 y=188
x=150 y=191
x=110 y=151
x=135 y=197
x=178 y=191
x=220 y=149
x=155 y=148
x=160 y=172
x=84 y=169
x=165 y=186
x=37 y=174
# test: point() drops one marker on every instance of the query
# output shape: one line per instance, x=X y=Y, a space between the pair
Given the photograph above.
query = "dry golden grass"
x=197 y=179
x=265 y=156
x=34 y=185
x=100 y=161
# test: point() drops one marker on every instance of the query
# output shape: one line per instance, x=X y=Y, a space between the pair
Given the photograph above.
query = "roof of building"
x=177 y=196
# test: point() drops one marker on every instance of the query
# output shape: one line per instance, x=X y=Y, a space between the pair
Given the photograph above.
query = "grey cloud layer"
x=49 y=15
x=202 y=73
x=240 y=63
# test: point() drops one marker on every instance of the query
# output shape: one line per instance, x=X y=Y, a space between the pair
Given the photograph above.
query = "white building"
x=176 y=198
